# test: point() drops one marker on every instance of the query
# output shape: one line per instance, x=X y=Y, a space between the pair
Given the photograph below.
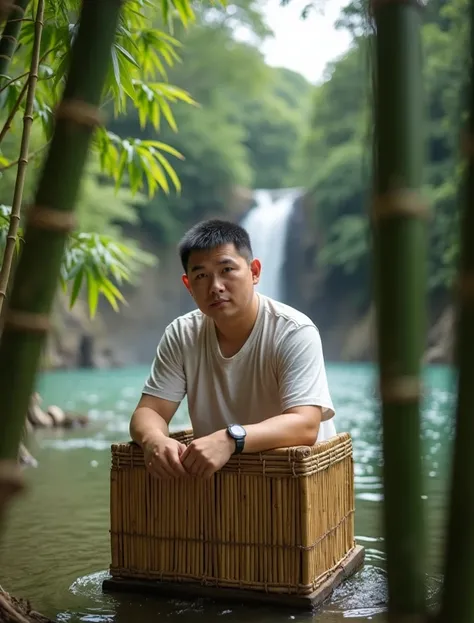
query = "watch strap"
x=239 y=445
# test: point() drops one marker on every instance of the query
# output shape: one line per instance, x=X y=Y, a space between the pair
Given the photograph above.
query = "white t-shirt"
x=280 y=366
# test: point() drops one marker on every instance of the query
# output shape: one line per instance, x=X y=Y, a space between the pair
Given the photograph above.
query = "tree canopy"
x=338 y=148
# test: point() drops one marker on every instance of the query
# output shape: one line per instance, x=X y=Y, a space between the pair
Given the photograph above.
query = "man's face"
x=221 y=281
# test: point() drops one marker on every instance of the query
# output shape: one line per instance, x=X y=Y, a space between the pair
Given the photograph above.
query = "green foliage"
x=96 y=261
x=141 y=57
x=244 y=130
x=101 y=207
x=338 y=150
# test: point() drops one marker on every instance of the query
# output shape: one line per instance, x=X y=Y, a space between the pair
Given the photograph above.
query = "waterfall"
x=267 y=225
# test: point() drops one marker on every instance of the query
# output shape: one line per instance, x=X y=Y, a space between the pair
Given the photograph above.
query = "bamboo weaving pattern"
x=279 y=521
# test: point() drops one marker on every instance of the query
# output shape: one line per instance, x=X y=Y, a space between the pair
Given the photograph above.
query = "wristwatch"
x=238 y=434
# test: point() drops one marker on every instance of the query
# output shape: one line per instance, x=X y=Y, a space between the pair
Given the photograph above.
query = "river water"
x=55 y=550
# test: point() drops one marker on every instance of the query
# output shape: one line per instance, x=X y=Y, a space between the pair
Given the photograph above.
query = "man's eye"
x=200 y=276
x=228 y=268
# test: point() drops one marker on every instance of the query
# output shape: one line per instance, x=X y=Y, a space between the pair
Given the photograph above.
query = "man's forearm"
x=146 y=422
x=281 y=431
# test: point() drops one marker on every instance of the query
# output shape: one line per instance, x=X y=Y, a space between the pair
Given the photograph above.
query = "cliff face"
x=344 y=317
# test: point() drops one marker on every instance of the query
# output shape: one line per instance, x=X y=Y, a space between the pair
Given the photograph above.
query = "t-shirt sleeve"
x=167 y=379
x=301 y=371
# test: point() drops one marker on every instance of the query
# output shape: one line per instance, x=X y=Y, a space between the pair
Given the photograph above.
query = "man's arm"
x=304 y=395
x=161 y=396
x=163 y=391
x=151 y=418
x=298 y=426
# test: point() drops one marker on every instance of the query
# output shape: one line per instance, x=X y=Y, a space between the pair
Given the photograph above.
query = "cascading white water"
x=267 y=225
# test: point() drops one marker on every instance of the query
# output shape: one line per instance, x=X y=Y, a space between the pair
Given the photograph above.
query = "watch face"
x=237 y=431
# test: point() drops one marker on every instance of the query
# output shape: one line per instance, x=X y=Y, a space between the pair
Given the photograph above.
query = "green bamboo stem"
x=9 y=251
x=17 y=104
x=9 y=40
x=13 y=111
x=399 y=275
x=458 y=600
x=49 y=221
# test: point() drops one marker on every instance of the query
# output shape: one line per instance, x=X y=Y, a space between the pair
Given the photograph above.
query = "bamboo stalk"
x=13 y=111
x=50 y=220
x=9 y=40
x=14 y=224
x=399 y=239
x=457 y=602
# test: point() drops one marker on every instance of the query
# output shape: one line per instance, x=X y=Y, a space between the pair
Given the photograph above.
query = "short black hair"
x=213 y=233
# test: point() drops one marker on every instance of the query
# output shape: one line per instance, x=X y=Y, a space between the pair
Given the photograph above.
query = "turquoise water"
x=55 y=550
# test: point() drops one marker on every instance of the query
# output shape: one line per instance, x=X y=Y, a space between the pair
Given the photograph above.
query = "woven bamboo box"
x=276 y=526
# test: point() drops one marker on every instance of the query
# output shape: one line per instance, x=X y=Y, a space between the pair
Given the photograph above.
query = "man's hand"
x=162 y=457
x=205 y=456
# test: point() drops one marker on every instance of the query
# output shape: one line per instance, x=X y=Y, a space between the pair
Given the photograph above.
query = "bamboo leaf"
x=92 y=292
x=164 y=147
x=109 y=296
x=155 y=115
x=166 y=110
x=120 y=170
x=76 y=288
x=127 y=55
x=112 y=293
x=169 y=169
x=153 y=169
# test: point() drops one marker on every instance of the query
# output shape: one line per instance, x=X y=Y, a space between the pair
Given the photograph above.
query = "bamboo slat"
x=278 y=522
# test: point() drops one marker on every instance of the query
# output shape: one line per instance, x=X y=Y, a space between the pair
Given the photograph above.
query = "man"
x=252 y=368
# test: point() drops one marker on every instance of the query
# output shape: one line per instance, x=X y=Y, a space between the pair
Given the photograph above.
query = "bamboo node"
x=11 y=480
x=401 y=389
x=18 y=320
x=51 y=219
x=80 y=112
x=400 y=203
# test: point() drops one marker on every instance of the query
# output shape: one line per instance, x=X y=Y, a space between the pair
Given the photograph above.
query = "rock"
x=441 y=338
x=57 y=414
x=359 y=343
x=53 y=416
x=36 y=415
x=26 y=458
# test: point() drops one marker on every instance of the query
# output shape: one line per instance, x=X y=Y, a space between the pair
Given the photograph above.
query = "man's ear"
x=255 y=269
x=185 y=280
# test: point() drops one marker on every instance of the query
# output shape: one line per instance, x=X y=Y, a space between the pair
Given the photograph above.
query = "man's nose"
x=216 y=286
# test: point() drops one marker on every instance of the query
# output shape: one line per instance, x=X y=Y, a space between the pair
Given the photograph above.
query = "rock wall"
x=346 y=319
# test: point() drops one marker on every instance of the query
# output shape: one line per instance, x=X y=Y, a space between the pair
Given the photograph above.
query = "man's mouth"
x=219 y=303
